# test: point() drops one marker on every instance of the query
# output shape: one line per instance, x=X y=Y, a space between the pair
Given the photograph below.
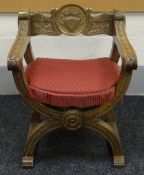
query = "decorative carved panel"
x=99 y=23
x=71 y=20
x=41 y=23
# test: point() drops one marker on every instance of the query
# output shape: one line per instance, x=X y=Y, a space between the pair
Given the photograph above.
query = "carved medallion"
x=72 y=120
x=71 y=20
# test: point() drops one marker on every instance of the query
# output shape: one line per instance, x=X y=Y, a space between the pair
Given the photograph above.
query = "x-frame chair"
x=73 y=118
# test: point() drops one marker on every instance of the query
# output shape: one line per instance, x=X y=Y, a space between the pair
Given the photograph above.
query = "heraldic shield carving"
x=71 y=19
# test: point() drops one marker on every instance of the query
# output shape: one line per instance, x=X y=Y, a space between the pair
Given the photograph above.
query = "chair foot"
x=27 y=162
x=119 y=161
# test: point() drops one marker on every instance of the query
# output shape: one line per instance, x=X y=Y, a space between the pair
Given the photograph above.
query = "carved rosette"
x=72 y=120
x=71 y=20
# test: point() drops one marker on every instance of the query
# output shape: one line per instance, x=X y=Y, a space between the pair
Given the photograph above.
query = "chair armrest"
x=18 y=49
x=125 y=49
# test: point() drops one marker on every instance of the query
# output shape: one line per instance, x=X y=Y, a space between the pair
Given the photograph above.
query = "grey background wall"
x=79 y=47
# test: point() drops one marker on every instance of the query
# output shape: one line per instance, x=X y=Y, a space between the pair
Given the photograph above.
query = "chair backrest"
x=71 y=20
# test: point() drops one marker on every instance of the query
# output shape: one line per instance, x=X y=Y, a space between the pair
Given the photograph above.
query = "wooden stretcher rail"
x=47 y=5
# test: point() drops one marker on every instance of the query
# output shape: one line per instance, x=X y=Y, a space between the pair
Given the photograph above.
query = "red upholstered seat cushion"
x=81 y=83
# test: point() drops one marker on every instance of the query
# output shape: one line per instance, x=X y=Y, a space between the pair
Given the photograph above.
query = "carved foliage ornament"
x=41 y=24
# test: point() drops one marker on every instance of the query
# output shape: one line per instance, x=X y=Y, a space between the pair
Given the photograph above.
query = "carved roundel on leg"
x=72 y=120
x=71 y=19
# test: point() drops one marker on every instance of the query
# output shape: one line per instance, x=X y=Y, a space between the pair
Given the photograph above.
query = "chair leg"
x=27 y=161
x=37 y=130
x=109 y=132
x=118 y=161
x=110 y=118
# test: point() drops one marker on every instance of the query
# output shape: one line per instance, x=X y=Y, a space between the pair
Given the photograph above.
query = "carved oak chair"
x=67 y=93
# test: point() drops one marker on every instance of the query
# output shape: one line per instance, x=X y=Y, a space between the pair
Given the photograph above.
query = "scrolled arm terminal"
x=18 y=49
x=125 y=49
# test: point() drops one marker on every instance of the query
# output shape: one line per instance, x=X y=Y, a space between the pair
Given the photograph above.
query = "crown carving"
x=73 y=13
